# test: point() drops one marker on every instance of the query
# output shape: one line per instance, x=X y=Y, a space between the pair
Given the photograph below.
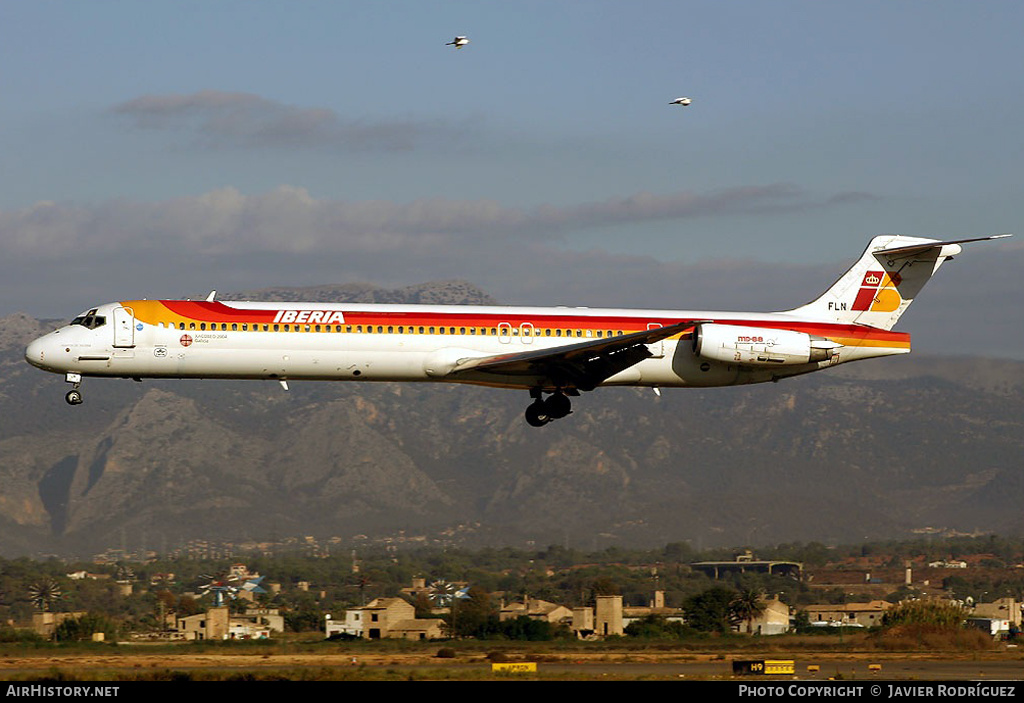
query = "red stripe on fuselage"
x=219 y=312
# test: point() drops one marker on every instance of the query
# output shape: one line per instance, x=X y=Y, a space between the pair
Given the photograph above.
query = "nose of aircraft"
x=35 y=352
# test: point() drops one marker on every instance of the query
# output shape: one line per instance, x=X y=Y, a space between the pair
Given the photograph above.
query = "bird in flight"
x=458 y=42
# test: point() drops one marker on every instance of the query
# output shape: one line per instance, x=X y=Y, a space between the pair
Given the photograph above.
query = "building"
x=214 y=624
x=259 y=620
x=385 y=618
x=536 y=609
x=218 y=624
x=631 y=614
x=583 y=622
x=744 y=563
x=417 y=629
x=848 y=615
x=774 y=620
x=1007 y=609
x=608 y=616
x=349 y=626
x=46 y=623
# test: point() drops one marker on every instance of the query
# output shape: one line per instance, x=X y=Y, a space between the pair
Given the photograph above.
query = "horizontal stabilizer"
x=920 y=248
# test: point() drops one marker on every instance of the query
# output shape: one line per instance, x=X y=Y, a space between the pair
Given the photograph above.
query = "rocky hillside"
x=868 y=451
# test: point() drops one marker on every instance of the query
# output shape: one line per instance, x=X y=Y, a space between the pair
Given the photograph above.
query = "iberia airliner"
x=554 y=353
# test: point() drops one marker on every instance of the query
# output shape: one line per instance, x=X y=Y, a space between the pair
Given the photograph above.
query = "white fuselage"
x=184 y=339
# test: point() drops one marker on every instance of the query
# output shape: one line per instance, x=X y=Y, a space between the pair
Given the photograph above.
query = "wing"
x=583 y=365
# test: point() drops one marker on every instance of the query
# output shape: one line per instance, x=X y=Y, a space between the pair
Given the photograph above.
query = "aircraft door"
x=526 y=333
x=504 y=332
x=124 y=327
x=658 y=348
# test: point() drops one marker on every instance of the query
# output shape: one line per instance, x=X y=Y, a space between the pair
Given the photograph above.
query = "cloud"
x=288 y=220
x=230 y=119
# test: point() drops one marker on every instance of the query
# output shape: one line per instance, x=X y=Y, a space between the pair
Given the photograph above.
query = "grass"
x=399 y=660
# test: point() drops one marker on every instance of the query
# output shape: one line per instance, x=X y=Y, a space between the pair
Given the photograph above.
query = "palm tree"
x=747 y=606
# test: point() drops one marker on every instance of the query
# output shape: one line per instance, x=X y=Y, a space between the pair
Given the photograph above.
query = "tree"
x=943 y=614
x=474 y=616
x=82 y=628
x=526 y=628
x=709 y=611
x=658 y=627
x=746 y=606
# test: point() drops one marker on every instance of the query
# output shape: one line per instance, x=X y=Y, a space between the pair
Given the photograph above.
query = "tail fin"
x=884 y=281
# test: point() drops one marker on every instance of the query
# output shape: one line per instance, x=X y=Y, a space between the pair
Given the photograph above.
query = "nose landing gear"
x=540 y=412
x=74 y=396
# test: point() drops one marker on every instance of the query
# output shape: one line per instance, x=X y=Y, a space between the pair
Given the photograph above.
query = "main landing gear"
x=540 y=412
x=74 y=396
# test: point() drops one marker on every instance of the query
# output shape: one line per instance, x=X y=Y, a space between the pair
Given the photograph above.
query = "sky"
x=165 y=149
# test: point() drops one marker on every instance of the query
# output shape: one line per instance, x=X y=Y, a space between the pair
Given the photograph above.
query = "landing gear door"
x=124 y=327
x=658 y=348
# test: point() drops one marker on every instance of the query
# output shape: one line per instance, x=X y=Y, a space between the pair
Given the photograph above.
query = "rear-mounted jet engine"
x=759 y=346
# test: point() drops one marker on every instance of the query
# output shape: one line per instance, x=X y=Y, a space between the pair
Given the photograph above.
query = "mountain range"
x=875 y=450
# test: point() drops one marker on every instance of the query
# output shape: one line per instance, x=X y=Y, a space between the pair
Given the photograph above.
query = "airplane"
x=554 y=353
x=458 y=42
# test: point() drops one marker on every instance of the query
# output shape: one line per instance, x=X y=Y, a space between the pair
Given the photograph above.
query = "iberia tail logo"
x=878 y=292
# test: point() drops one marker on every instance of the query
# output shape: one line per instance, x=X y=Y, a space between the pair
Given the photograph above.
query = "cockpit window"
x=90 y=320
